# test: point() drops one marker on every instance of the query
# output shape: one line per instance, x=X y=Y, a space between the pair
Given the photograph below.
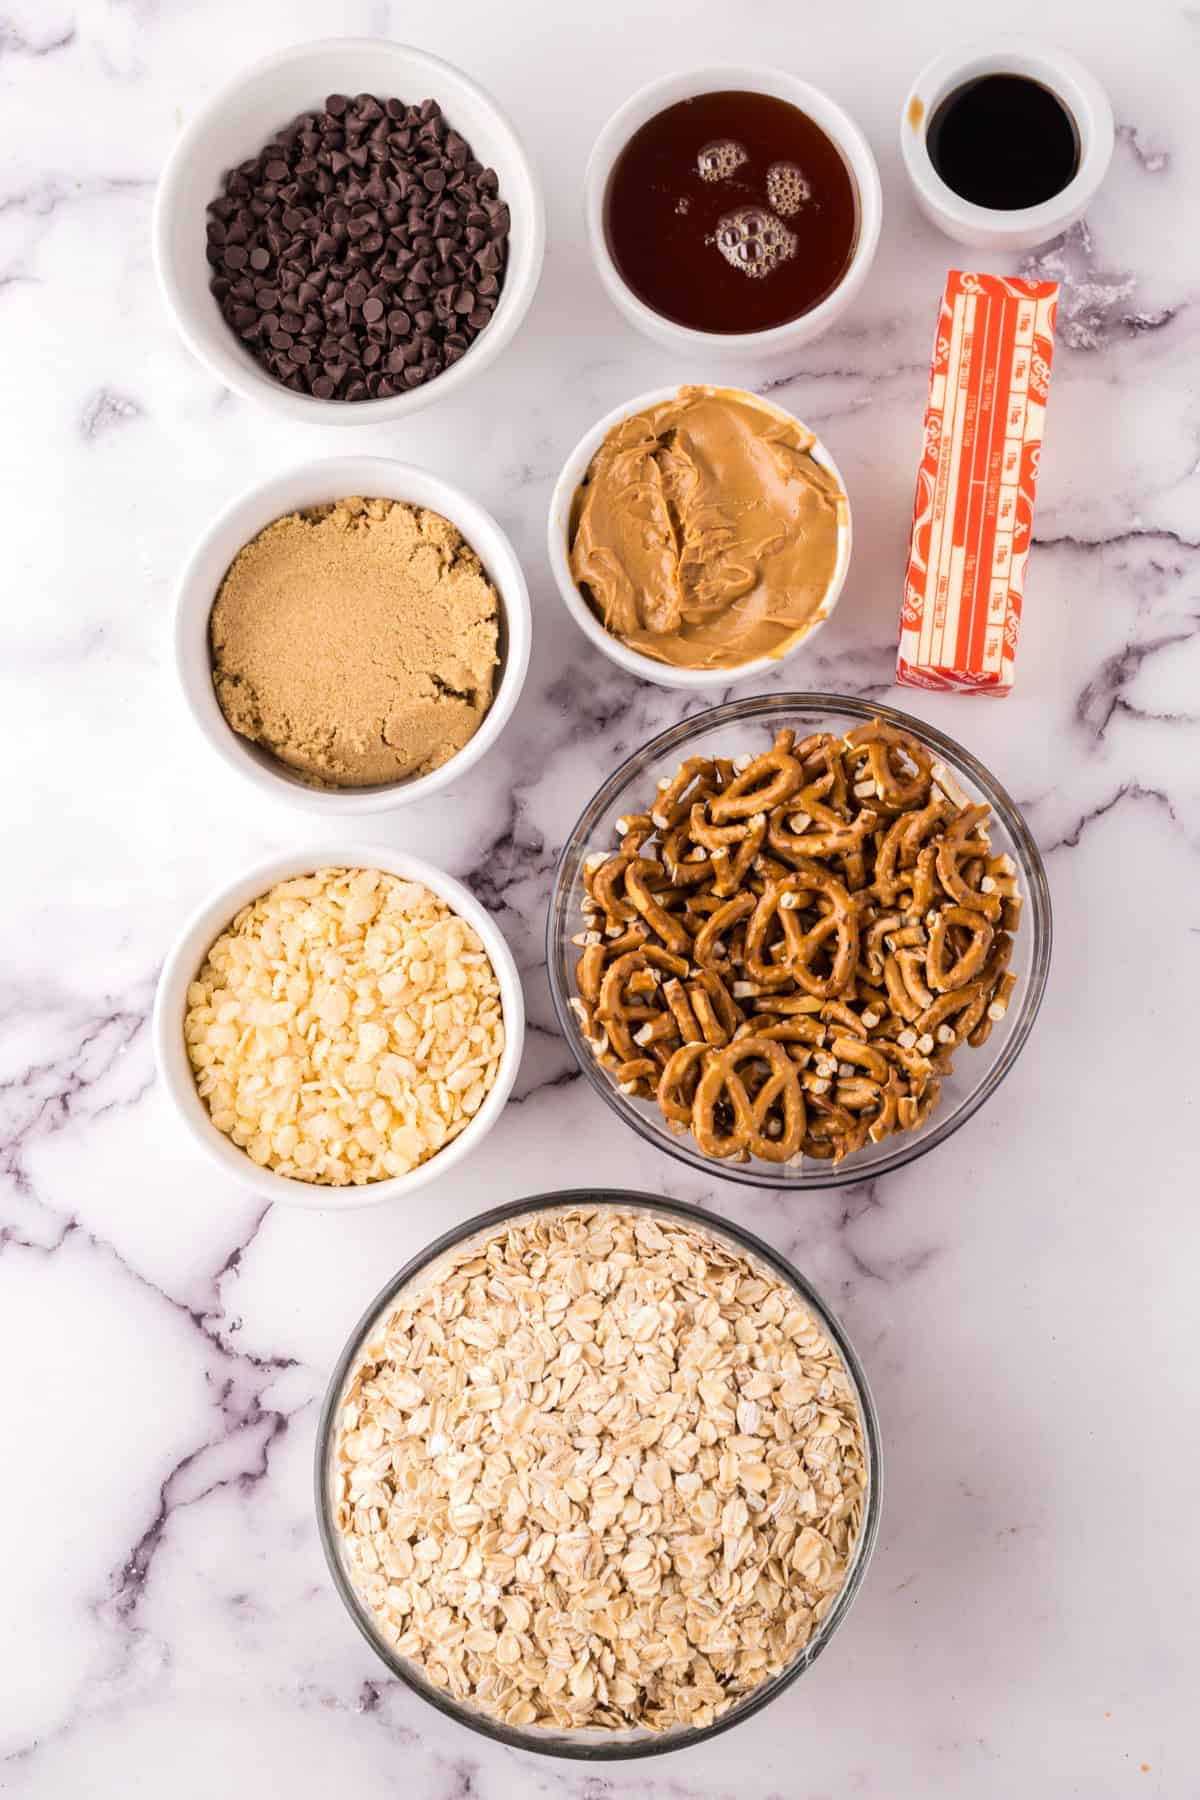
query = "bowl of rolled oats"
x=340 y=1026
x=798 y=939
x=598 y=1474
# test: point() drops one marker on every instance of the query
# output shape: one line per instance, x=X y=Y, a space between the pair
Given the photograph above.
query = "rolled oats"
x=345 y=1027
x=598 y=1469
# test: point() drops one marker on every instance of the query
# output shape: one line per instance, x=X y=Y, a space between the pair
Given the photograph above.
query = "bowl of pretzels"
x=799 y=939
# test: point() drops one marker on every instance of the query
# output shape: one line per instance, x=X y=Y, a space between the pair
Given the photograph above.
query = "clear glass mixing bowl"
x=747 y=727
x=591 y=1745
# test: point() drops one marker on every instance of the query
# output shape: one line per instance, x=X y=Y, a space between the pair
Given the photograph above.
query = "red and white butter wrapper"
x=973 y=514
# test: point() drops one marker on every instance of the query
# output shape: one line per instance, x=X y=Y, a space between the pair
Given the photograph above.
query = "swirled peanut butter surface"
x=705 y=533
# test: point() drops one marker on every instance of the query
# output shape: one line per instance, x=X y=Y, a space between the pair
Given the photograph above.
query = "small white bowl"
x=632 y=661
x=376 y=477
x=238 y=122
x=984 y=227
x=837 y=125
x=187 y=956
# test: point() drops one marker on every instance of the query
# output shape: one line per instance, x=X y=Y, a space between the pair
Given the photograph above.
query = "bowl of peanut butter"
x=699 y=536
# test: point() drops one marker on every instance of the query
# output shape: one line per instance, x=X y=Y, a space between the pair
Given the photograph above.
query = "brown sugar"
x=357 y=642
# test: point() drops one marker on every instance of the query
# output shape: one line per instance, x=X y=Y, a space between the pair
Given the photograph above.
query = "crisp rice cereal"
x=345 y=1027
x=599 y=1469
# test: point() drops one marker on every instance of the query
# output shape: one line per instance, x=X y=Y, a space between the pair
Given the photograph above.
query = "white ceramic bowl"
x=310 y=485
x=983 y=227
x=187 y=956
x=837 y=126
x=706 y=681
x=235 y=125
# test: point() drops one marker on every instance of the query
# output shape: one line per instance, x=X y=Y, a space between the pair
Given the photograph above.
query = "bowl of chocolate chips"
x=348 y=231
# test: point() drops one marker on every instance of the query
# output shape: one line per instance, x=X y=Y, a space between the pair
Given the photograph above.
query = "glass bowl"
x=593 y=1745
x=746 y=727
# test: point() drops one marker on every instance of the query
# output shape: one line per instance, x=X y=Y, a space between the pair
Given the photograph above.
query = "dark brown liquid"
x=1004 y=141
x=731 y=212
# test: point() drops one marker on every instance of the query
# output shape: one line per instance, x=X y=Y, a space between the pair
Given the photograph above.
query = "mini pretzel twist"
x=967 y=964
x=766 y=1105
x=766 y=782
x=784 y=952
x=796 y=960
x=677 y=1084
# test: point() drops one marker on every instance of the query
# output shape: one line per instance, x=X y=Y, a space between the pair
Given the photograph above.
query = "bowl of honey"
x=733 y=211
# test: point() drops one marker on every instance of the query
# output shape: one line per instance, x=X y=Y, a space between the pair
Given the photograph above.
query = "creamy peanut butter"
x=705 y=533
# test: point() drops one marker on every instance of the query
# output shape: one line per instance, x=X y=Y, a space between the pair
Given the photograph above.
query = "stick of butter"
x=973 y=512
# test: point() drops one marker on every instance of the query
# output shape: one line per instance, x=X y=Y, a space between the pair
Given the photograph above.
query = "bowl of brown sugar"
x=352 y=635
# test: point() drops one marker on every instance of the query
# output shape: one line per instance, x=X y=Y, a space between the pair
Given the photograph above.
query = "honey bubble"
x=753 y=241
x=787 y=188
x=718 y=161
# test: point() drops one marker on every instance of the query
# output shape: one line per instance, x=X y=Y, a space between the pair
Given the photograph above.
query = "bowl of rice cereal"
x=337 y=1026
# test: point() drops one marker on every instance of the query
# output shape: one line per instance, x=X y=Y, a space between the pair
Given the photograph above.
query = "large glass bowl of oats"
x=798 y=940
x=598 y=1474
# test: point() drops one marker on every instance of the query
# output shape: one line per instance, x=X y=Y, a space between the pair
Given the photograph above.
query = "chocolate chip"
x=361 y=251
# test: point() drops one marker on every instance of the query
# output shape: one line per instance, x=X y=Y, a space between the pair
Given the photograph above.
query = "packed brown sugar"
x=357 y=642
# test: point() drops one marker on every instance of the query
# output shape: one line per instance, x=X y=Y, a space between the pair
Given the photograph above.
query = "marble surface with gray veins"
x=1024 y=1298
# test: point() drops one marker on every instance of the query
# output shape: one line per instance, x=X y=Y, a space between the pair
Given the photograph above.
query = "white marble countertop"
x=1023 y=1298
